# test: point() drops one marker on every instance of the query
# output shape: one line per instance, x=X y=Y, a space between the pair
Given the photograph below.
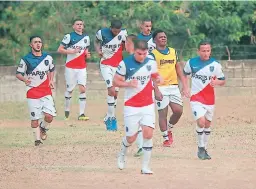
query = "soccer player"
x=168 y=93
x=206 y=73
x=135 y=74
x=75 y=45
x=109 y=44
x=36 y=70
x=146 y=34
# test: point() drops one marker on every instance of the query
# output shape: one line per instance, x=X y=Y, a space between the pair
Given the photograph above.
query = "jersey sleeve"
x=151 y=56
x=125 y=34
x=66 y=40
x=154 y=73
x=22 y=67
x=99 y=35
x=51 y=65
x=121 y=69
x=219 y=73
x=187 y=68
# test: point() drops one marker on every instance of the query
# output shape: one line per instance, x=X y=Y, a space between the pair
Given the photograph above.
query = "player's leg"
x=107 y=74
x=70 y=85
x=148 y=125
x=139 y=142
x=207 y=128
x=162 y=107
x=81 y=81
x=49 y=111
x=35 y=114
x=131 y=124
x=176 y=104
x=199 y=115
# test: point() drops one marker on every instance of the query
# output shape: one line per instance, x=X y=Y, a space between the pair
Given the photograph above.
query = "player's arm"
x=119 y=78
x=186 y=72
x=97 y=43
x=51 y=73
x=219 y=79
x=21 y=72
x=63 y=46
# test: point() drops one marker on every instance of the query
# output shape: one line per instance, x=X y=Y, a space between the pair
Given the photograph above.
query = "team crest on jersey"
x=85 y=40
x=119 y=37
x=46 y=62
x=149 y=67
x=211 y=68
x=20 y=65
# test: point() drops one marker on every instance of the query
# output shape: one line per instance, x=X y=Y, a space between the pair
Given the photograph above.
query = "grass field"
x=83 y=155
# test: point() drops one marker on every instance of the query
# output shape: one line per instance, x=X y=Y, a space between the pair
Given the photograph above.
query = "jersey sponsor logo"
x=163 y=61
x=211 y=68
x=46 y=62
x=40 y=73
x=142 y=79
x=113 y=47
x=203 y=78
x=78 y=47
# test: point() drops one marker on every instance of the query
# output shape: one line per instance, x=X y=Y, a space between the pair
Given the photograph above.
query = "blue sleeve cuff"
x=221 y=78
x=185 y=73
x=20 y=73
x=119 y=73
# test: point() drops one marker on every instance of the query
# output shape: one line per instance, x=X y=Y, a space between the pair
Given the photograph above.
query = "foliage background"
x=224 y=23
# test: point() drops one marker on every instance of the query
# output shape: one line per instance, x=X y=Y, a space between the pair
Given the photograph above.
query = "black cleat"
x=38 y=142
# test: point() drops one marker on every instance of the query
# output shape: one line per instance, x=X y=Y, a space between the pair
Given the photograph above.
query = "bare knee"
x=112 y=91
x=201 y=122
x=48 y=118
x=131 y=139
x=147 y=132
x=82 y=89
x=34 y=123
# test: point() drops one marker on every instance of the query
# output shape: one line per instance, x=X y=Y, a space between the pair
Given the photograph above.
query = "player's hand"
x=214 y=81
x=88 y=54
x=159 y=80
x=100 y=53
x=158 y=95
x=185 y=92
x=133 y=83
x=51 y=84
x=74 y=51
x=27 y=82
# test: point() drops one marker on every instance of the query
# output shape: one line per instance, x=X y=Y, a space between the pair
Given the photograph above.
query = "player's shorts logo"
x=108 y=82
x=46 y=62
x=149 y=67
x=33 y=114
x=158 y=104
x=119 y=37
x=211 y=68
x=195 y=113
x=126 y=129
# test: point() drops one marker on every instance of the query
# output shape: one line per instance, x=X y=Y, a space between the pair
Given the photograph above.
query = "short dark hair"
x=146 y=20
x=204 y=42
x=140 y=44
x=117 y=24
x=77 y=19
x=157 y=32
x=33 y=37
x=133 y=37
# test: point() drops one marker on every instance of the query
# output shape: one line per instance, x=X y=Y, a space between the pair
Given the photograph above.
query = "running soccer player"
x=36 y=70
x=109 y=44
x=75 y=45
x=206 y=73
x=135 y=74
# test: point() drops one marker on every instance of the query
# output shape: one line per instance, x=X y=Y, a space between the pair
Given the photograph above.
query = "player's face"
x=78 y=26
x=205 y=52
x=140 y=55
x=115 y=31
x=146 y=27
x=161 y=39
x=36 y=44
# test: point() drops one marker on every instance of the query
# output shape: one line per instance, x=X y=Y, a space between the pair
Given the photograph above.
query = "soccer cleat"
x=139 y=153
x=166 y=143
x=146 y=171
x=43 y=133
x=114 y=124
x=207 y=156
x=66 y=115
x=82 y=117
x=121 y=161
x=170 y=137
x=108 y=123
x=201 y=153
x=38 y=142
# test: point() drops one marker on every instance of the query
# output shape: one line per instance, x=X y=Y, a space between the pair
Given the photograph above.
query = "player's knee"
x=34 y=123
x=82 y=89
x=147 y=132
x=111 y=91
x=48 y=118
x=201 y=122
x=178 y=112
x=131 y=139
